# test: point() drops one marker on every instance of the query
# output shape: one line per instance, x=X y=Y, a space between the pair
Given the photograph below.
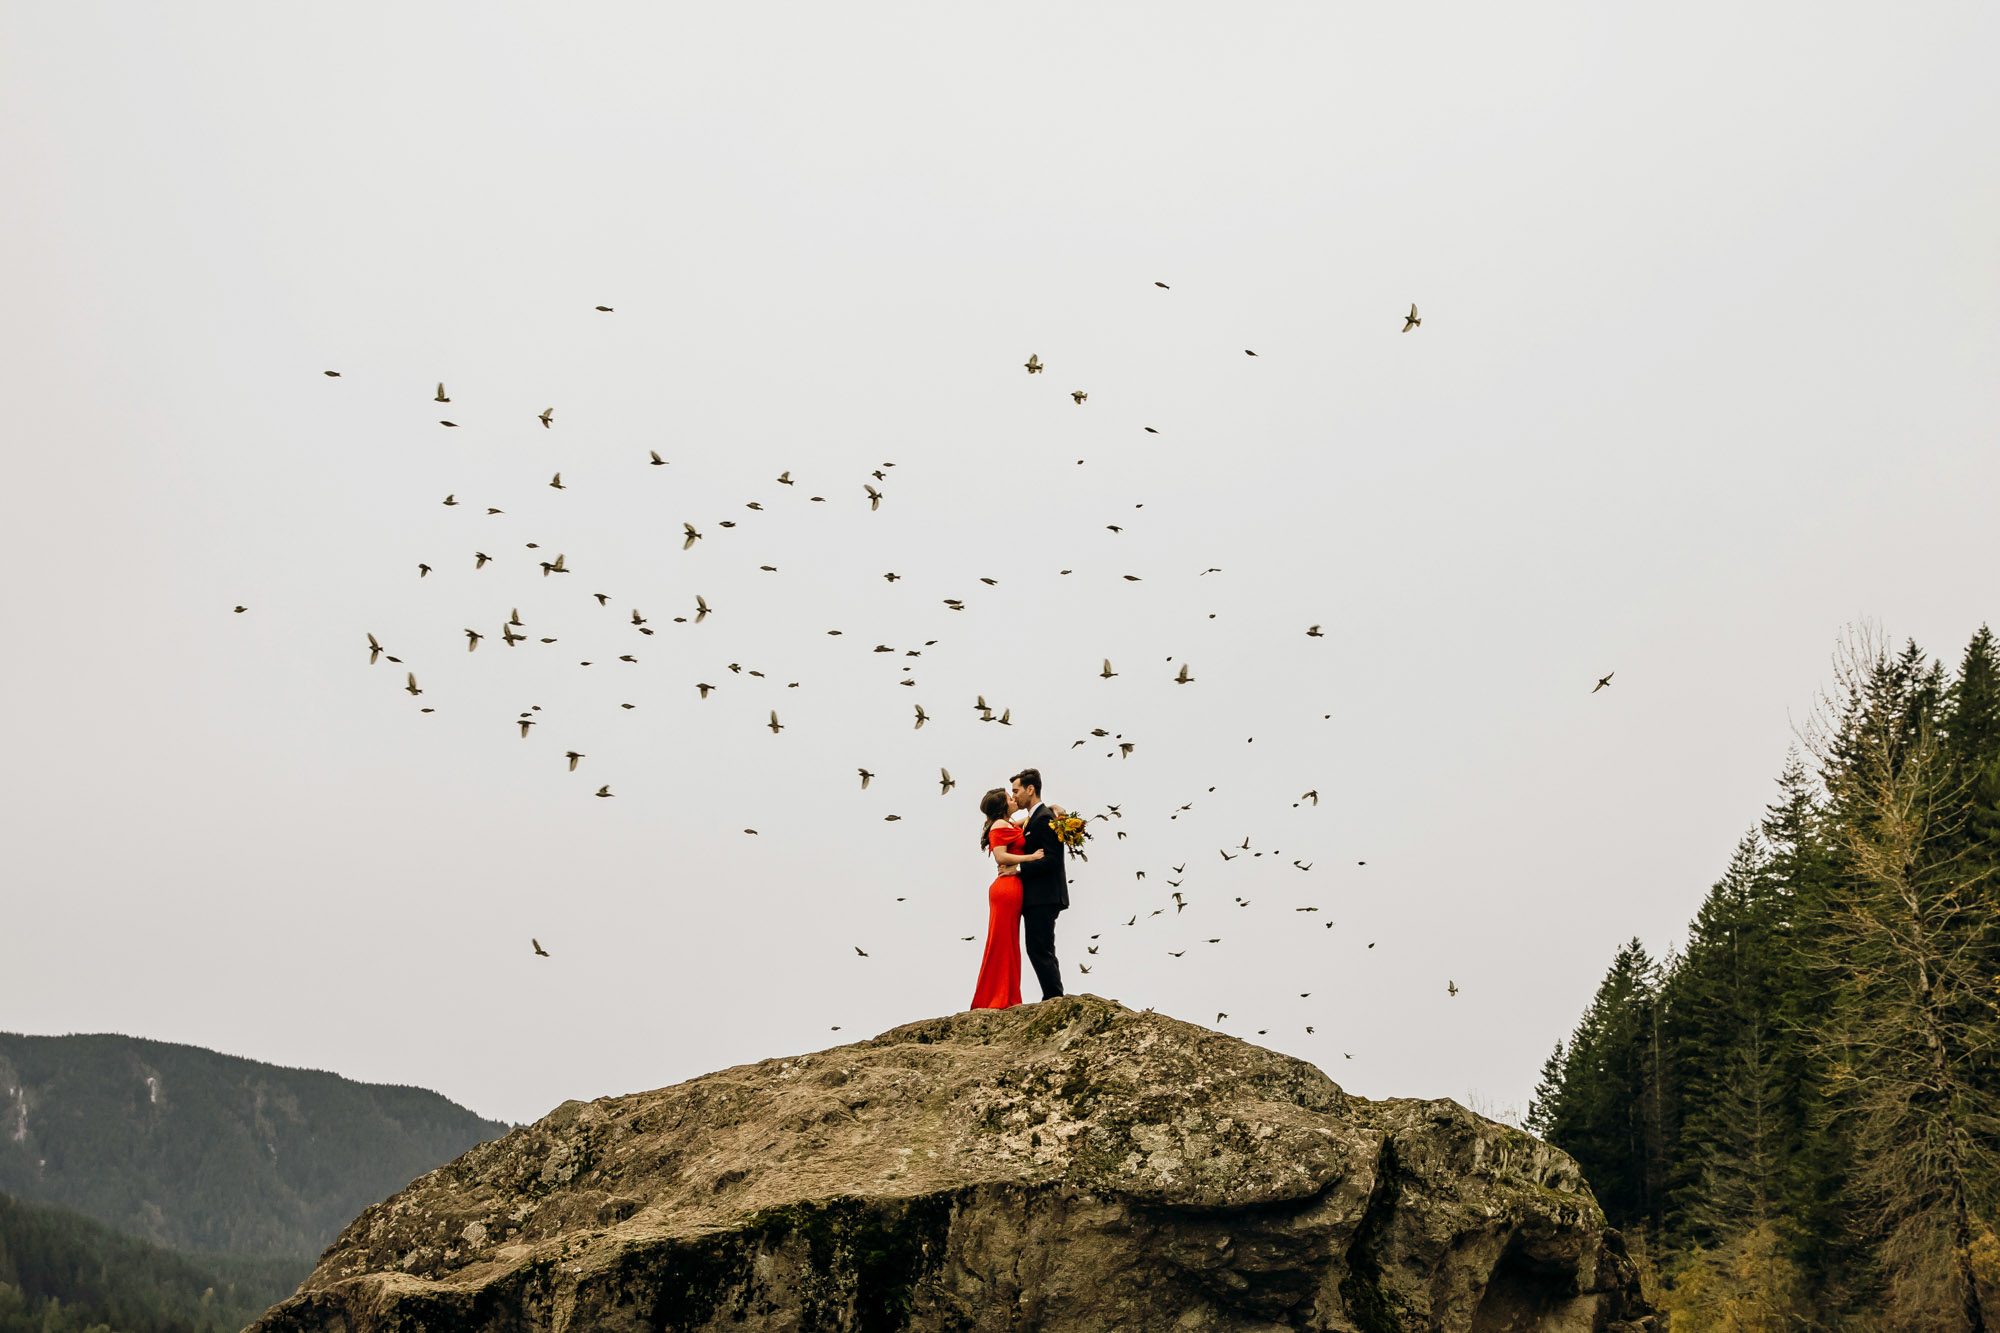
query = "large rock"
x=1070 y=1165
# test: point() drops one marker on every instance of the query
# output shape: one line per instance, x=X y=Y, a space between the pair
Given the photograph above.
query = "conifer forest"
x=1793 y=1113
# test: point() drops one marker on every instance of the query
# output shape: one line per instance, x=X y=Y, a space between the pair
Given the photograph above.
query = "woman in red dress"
x=1000 y=970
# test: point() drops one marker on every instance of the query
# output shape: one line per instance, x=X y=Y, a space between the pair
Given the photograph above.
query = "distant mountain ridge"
x=212 y=1153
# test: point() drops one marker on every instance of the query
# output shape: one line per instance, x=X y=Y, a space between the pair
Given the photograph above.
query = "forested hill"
x=63 y=1273
x=1800 y=1108
x=212 y=1153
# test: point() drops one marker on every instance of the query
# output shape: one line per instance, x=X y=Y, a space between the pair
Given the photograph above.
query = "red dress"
x=1000 y=970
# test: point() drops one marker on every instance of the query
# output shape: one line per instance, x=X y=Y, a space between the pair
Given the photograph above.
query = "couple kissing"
x=1030 y=889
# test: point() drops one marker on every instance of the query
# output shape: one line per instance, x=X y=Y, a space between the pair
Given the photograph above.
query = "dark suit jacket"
x=1043 y=882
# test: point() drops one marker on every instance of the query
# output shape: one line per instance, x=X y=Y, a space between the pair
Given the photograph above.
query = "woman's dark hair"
x=994 y=806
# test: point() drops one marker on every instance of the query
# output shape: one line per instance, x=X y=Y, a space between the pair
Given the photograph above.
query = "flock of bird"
x=512 y=632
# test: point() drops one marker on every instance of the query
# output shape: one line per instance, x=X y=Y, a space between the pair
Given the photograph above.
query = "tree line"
x=64 y=1273
x=1798 y=1111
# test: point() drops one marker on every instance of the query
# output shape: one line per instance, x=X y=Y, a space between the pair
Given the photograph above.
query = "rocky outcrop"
x=1070 y=1165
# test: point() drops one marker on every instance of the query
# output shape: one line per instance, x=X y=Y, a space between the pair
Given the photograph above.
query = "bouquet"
x=1072 y=831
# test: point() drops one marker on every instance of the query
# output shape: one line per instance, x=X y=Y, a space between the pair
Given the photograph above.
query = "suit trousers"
x=1040 y=921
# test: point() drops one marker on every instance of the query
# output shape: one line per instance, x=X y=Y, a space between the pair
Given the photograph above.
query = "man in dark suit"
x=1044 y=886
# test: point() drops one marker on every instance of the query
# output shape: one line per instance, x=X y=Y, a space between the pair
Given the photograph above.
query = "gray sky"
x=1706 y=371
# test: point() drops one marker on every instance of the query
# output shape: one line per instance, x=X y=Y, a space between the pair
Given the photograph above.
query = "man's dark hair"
x=1029 y=777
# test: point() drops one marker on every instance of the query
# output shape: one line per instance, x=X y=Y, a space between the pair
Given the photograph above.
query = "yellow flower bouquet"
x=1072 y=831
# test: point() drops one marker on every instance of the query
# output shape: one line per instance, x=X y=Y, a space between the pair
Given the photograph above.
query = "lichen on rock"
x=1070 y=1165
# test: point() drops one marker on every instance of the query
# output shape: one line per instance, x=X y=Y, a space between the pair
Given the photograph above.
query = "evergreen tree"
x=1545 y=1108
x=1903 y=1024
x=1722 y=1019
x=1970 y=736
x=1608 y=1113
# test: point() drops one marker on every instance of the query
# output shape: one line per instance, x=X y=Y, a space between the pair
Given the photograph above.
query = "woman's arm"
x=1007 y=858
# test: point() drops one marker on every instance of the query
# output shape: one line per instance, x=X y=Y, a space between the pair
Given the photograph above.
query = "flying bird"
x=440 y=394
x=1410 y=321
x=453 y=424
x=700 y=608
x=774 y=724
x=572 y=756
x=704 y=689
x=1034 y=364
x=692 y=536
x=555 y=482
x=1079 y=395
x=422 y=570
x=479 y=559
x=605 y=790
x=865 y=775
x=1312 y=796
x=785 y=478
x=374 y=649
x=1107 y=672
x=1451 y=987
x=1248 y=352
x=605 y=308
x=524 y=723
x=540 y=952
x=451 y=499
x=656 y=460
x=331 y=374
x=945 y=781
x=863 y=952
x=1312 y=632
x=509 y=637
x=874 y=497
x=1604 y=683
x=546 y=416
x=412 y=686
x=922 y=717
x=472 y=638
x=1184 y=678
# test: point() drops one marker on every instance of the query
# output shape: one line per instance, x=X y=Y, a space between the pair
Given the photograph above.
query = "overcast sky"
x=1706 y=371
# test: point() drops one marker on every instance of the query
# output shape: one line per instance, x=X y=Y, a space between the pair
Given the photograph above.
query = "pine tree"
x=1896 y=951
x=1608 y=1114
x=1970 y=736
x=1545 y=1108
x=1718 y=1000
